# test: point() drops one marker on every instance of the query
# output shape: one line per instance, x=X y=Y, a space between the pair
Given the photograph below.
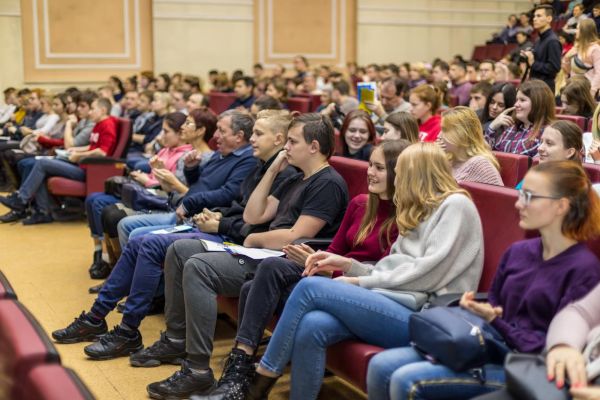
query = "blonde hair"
x=277 y=120
x=588 y=35
x=423 y=181
x=165 y=97
x=461 y=127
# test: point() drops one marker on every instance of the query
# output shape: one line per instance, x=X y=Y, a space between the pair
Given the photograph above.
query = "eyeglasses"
x=525 y=197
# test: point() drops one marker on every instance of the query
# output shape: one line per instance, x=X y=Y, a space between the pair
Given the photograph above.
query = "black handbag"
x=526 y=378
x=140 y=199
x=456 y=338
x=114 y=185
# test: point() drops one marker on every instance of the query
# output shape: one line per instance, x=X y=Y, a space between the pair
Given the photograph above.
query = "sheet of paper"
x=254 y=253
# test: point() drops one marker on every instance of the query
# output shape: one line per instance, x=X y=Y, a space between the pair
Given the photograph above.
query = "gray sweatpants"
x=193 y=279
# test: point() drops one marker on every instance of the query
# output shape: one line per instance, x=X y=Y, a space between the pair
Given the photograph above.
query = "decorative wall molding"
x=10 y=14
x=461 y=11
x=201 y=17
x=428 y=23
x=246 y=3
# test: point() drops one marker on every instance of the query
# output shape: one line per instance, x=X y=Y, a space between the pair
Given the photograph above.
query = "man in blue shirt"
x=215 y=184
x=244 y=91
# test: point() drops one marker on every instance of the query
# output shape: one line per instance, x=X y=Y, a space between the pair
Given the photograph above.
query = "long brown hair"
x=569 y=180
x=588 y=35
x=542 y=105
x=406 y=124
x=391 y=150
x=352 y=115
x=423 y=181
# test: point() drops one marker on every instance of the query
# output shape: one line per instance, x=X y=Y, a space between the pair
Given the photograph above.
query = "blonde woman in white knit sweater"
x=439 y=249
x=462 y=140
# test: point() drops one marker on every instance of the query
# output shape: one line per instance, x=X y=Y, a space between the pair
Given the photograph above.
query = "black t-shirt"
x=324 y=195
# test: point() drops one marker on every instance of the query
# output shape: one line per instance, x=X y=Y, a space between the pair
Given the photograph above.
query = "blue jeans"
x=138 y=162
x=94 y=204
x=321 y=312
x=25 y=166
x=402 y=373
x=137 y=275
x=35 y=184
x=156 y=221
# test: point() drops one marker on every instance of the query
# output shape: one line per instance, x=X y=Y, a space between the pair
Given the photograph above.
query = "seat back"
x=495 y=51
x=299 y=104
x=124 y=130
x=500 y=222
x=513 y=167
x=354 y=173
x=219 y=102
x=580 y=121
x=593 y=172
x=54 y=382
x=23 y=343
x=6 y=290
x=315 y=100
x=479 y=53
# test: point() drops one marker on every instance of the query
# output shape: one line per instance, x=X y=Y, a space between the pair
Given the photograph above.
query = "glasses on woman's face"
x=525 y=197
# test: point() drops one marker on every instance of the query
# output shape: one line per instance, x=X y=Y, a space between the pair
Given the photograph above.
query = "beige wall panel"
x=70 y=33
x=323 y=30
x=97 y=56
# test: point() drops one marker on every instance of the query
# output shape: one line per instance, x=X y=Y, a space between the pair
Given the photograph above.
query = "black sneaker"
x=100 y=270
x=182 y=384
x=13 y=216
x=13 y=202
x=117 y=343
x=38 y=218
x=236 y=378
x=80 y=330
x=95 y=289
x=163 y=351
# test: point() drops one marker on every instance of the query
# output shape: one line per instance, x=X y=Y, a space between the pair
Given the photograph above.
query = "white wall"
x=194 y=36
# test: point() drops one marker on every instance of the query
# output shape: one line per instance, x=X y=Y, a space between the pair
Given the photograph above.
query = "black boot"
x=96 y=259
x=260 y=387
x=237 y=374
x=99 y=269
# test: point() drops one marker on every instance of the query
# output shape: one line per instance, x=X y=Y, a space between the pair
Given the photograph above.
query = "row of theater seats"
x=29 y=359
x=492 y=51
x=496 y=206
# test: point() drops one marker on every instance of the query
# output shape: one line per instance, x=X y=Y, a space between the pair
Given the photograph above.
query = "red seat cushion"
x=500 y=221
x=54 y=382
x=513 y=167
x=580 y=121
x=66 y=187
x=350 y=360
x=220 y=102
x=593 y=172
x=354 y=173
x=299 y=104
x=23 y=342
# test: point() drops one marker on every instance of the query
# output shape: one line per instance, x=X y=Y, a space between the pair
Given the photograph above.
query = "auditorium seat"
x=350 y=359
x=6 y=289
x=299 y=104
x=513 y=167
x=590 y=125
x=219 y=102
x=479 y=53
x=98 y=168
x=500 y=221
x=53 y=382
x=495 y=51
x=580 y=121
x=23 y=343
x=339 y=146
x=593 y=172
x=315 y=100
x=354 y=173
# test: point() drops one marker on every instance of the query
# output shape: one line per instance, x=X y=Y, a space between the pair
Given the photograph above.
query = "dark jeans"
x=265 y=296
x=137 y=275
x=193 y=279
x=94 y=204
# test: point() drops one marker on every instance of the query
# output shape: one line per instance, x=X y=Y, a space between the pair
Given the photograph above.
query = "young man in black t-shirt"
x=309 y=204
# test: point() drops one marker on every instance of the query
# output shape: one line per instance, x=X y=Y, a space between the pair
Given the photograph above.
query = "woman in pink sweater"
x=462 y=140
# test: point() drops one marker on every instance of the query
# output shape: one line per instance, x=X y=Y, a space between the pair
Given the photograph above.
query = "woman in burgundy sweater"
x=366 y=234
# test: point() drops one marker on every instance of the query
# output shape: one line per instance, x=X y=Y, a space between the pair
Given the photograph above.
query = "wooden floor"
x=47 y=265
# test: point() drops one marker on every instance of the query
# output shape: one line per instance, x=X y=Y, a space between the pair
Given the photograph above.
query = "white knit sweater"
x=444 y=253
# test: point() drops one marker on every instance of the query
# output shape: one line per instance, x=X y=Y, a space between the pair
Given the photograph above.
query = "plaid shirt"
x=514 y=140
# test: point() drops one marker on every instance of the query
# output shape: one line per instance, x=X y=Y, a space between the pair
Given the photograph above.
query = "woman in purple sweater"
x=536 y=278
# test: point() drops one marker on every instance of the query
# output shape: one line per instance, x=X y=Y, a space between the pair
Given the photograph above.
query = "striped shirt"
x=477 y=169
x=514 y=139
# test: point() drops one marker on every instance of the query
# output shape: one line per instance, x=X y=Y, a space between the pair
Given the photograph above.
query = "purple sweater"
x=532 y=291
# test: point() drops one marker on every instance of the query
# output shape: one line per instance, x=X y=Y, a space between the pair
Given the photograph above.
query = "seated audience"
x=487 y=71
x=578 y=17
x=244 y=93
x=585 y=55
x=357 y=134
x=163 y=81
x=11 y=101
x=425 y=102
x=321 y=312
x=523 y=43
x=576 y=98
x=439 y=72
x=461 y=83
x=116 y=85
x=102 y=143
x=501 y=97
x=391 y=99
x=536 y=278
x=264 y=102
x=400 y=125
x=469 y=155
x=478 y=96
x=520 y=133
x=340 y=95
x=417 y=74
x=366 y=233
x=277 y=90
x=309 y=204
